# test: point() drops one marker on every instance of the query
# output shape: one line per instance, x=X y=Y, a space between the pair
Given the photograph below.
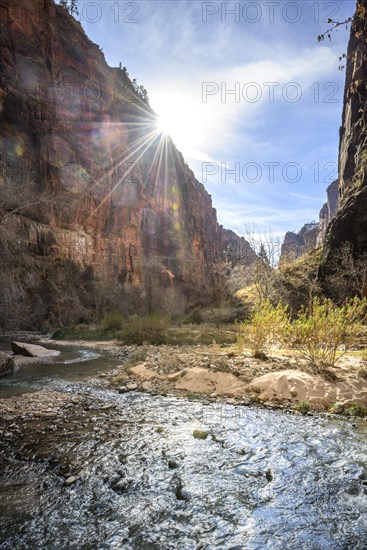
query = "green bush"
x=112 y=321
x=322 y=336
x=354 y=410
x=337 y=408
x=265 y=327
x=303 y=406
x=149 y=328
x=82 y=332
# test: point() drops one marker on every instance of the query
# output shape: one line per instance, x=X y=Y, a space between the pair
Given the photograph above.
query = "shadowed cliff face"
x=344 y=217
x=351 y=219
x=128 y=220
x=311 y=235
x=327 y=212
x=297 y=244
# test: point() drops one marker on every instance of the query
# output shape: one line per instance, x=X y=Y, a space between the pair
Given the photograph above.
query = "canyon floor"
x=222 y=372
x=115 y=446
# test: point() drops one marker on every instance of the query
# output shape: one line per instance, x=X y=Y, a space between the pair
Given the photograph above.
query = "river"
x=261 y=480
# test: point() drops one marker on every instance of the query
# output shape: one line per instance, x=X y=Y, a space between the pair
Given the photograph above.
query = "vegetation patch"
x=84 y=332
x=303 y=407
x=112 y=322
x=200 y=434
x=150 y=329
x=324 y=332
x=355 y=410
x=265 y=327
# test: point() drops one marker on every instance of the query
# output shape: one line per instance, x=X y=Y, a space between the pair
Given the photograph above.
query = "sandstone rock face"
x=6 y=363
x=32 y=350
x=236 y=249
x=328 y=212
x=344 y=217
x=129 y=227
x=312 y=235
x=351 y=220
x=297 y=244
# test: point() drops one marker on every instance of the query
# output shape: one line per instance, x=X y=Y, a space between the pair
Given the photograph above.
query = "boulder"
x=31 y=350
x=176 y=375
x=200 y=380
x=142 y=372
x=6 y=363
x=297 y=387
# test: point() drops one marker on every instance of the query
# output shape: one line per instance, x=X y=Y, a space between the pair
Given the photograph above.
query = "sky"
x=246 y=91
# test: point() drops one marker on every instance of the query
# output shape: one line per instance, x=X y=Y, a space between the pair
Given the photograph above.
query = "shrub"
x=354 y=410
x=112 y=321
x=303 y=406
x=322 y=336
x=337 y=408
x=149 y=328
x=200 y=434
x=266 y=326
x=195 y=316
x=224 y=314
x=82 y=332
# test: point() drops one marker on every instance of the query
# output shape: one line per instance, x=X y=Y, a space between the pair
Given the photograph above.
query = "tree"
x=334 y=25
x=142 y=92
x=263 y=241
x=265 y=328
x=322 y=336
x=262 y=254
x=71 y=6
x=347 y=274
x=261 y=272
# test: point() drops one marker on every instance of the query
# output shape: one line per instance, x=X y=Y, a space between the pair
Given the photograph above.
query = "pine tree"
x=71 y=6
x=263 y=255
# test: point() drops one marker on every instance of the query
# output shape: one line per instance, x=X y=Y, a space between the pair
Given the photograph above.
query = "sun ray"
x=146 y=144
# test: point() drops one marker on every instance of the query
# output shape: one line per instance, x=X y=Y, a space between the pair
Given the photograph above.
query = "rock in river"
x=31 y=350
x=70 y=480
x=6 y=363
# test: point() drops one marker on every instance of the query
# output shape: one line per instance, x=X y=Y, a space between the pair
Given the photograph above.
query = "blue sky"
x=189 y=54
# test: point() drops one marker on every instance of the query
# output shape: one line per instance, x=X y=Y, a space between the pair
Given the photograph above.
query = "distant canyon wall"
x=312 y=235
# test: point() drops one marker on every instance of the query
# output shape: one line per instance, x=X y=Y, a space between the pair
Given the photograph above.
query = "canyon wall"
x=344 y=217
x=98 y=210
x=351 y=220
x=327 y=212
x=296 y=244
x=312 y=235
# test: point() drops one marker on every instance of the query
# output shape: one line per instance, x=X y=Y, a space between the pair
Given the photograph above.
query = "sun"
x=166 y=125
x=183 y=120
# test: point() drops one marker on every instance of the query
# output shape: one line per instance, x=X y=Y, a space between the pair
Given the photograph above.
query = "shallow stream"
x=261 y=480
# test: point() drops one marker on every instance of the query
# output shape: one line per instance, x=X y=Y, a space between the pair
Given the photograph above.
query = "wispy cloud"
x=305 y=197
x=172 y=52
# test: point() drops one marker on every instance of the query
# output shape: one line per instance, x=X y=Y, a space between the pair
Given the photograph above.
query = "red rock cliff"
x=124 y=224
x=350 y=221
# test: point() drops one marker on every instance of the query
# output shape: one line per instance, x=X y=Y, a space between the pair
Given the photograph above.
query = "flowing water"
x=261 y=479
